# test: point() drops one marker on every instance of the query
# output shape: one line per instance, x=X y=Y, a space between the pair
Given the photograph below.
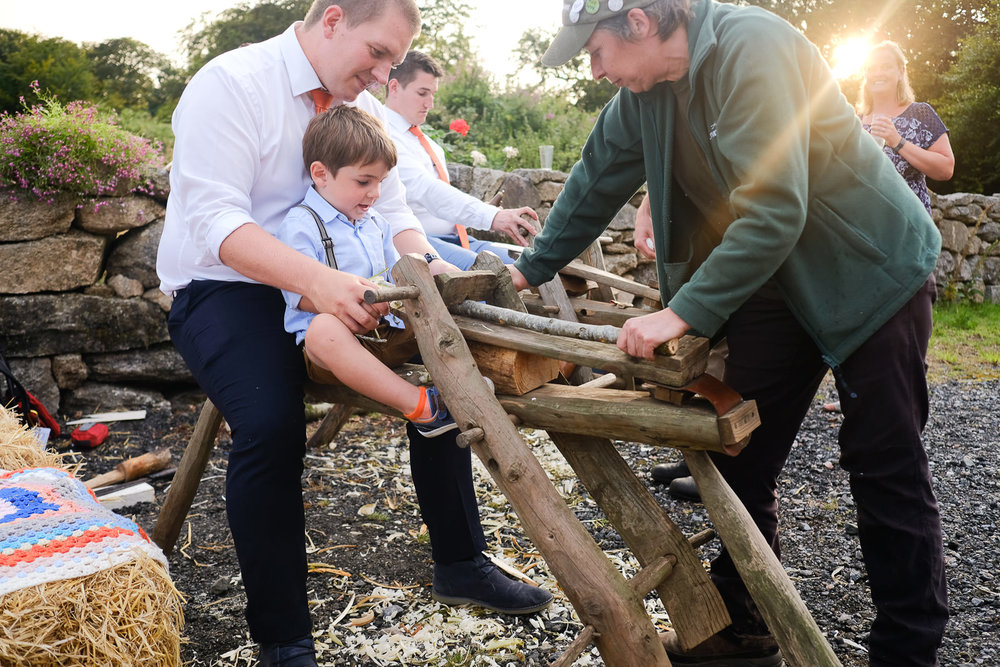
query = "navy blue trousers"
x=232 y=337
x=883 y=393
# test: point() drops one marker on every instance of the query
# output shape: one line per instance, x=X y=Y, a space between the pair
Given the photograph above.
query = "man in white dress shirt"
x=444 y=211
x=237 y=170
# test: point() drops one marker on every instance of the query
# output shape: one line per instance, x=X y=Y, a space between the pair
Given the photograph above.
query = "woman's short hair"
x=345 y=136
x=904 y=91
x=357 y=12
x=668 y=15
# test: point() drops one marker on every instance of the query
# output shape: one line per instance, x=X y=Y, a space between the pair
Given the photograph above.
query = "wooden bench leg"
x=800 y=639
x=186 y=479
x=330 y=426
x=693 y=603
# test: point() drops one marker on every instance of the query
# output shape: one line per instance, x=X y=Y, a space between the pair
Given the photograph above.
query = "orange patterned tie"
x=463 y=236
x=321 y=99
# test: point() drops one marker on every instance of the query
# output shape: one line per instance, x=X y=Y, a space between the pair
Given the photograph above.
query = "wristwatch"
x=430 y=257
x=902 y=142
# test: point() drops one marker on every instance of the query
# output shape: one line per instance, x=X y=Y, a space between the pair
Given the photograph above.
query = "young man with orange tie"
x=444 y=211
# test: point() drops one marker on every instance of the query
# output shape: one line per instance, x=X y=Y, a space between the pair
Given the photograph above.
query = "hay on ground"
x=130 y=614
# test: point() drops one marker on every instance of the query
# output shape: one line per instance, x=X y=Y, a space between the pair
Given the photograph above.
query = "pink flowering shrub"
x=51 y=149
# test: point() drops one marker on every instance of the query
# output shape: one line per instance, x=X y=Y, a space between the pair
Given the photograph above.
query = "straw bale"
x=20 y=449
x=130 y=614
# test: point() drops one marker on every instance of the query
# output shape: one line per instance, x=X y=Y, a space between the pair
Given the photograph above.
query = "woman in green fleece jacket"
x=777 y=220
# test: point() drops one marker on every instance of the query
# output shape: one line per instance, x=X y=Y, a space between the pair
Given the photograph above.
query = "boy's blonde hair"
x=345 y=136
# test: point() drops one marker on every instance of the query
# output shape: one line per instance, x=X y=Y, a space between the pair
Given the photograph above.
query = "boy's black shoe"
x=478 y=581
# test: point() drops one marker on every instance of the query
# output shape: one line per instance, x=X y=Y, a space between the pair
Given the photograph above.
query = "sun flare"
x=849 y=57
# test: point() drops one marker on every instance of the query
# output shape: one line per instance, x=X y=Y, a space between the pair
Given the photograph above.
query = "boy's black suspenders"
x=331 y=259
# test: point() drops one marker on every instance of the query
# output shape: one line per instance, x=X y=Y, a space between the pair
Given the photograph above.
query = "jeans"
x=231 y=335
x=451 y=251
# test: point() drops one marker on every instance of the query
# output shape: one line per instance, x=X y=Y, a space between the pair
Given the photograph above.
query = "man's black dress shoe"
x=478 y=581
x=298 y=653
x=664 y=473
x=684 y=488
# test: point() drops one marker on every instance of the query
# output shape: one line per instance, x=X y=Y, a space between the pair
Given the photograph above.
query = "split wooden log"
x=598 y=592
x=799 y=637
x=513 y=371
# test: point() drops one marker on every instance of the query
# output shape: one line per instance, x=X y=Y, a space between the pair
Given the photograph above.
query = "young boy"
x=348 y=155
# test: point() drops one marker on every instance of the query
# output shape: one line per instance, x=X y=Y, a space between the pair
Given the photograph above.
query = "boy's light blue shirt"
x=363 y=248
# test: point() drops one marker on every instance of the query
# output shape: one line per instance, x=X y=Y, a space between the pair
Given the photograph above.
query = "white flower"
x=478 y=159
x=510 y=152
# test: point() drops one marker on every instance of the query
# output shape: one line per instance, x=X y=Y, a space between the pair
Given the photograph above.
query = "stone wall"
x=84 y=326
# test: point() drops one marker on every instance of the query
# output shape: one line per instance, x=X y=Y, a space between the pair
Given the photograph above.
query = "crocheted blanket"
x=53 y=528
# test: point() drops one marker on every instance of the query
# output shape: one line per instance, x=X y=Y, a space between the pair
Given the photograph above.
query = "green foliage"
x=247 y=22
x=572 y=79
x=970 y=107
x=927 y=30
x=50 y=149
x=442 y=31
x=516 y=119
x=126 y=71
x=58 y=65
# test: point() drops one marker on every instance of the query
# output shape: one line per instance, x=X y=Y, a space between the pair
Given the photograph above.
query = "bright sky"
x=497 y=26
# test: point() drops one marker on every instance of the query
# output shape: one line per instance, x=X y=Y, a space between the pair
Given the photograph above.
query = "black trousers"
x=883 y=393
x=232 y=337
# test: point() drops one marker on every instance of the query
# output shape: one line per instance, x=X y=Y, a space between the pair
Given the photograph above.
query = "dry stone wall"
x=84 y=325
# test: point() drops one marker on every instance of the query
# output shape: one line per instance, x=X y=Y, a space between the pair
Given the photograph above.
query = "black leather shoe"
x=684 y=488
x=478 y=581
x=664 y=473
x=298 y=653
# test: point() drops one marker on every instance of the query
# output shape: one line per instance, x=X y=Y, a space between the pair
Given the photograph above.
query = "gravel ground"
x=370 y=560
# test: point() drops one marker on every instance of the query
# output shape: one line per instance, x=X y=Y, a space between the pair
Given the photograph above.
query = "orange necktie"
x=463 y=236
x=321 y=99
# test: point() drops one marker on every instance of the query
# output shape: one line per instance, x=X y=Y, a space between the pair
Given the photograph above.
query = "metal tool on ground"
x=132 y=468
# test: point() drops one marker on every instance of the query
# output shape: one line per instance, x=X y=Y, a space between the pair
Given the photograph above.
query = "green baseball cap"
x=579 y=18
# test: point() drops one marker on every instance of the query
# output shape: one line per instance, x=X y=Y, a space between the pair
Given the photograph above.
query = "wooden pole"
x=786 y=615
x=594 y=586
x=187 y=478
x=693 y=603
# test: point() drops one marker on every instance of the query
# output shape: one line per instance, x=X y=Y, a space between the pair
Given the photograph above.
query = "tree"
x=442 y=32
x=245 y=23
x=59 y=66
x=127 y=72
x=970 y=107
x=573 y=77
x=928 y=31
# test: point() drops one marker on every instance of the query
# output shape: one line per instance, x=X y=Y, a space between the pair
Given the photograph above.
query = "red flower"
x=459 y=125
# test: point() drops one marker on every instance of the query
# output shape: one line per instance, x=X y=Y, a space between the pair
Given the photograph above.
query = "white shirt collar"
x=397 y=120
x=301 y=76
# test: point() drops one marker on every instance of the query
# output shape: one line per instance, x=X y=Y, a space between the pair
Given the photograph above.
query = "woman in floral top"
x=915 y=138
